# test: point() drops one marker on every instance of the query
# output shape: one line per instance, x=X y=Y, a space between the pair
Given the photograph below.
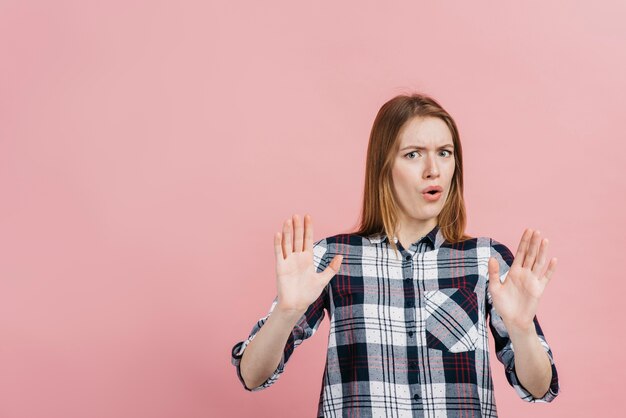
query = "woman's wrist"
x=289 y=314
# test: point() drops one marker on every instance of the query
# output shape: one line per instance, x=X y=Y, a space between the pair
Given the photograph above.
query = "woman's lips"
x=432 y=197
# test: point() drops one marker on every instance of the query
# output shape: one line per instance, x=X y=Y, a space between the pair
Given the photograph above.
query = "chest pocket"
x=451 y=319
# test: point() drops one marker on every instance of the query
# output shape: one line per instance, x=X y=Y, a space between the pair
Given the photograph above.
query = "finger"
x=278 y=252
x=540 y=262
x=494 y=285
x=522 y=248
x=308 y=233
x=531 y=254
x=287 y=245
x=332 y=269
x=551 y=269
x=494 y=275
x=297 y=235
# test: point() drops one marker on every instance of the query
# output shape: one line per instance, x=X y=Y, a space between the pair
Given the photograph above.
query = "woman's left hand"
x=516 y=299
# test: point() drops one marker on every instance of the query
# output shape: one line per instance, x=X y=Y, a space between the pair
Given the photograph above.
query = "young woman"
x=409 y=295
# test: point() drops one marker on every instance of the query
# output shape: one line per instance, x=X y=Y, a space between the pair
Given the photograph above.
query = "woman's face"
x=425 y=158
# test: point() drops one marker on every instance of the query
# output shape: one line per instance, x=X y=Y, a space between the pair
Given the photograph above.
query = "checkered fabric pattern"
x=408 y=336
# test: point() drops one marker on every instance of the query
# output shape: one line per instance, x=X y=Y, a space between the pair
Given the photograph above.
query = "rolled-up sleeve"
x=504 y=348
x=306 y=326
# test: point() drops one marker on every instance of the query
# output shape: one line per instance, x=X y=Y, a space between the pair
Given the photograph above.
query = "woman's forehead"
x=423 y=133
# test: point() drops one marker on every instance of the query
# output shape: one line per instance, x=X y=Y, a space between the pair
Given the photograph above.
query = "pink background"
x=150 y=149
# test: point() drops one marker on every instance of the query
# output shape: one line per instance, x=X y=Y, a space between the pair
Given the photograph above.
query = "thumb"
x=494 y=275
x=332 y=269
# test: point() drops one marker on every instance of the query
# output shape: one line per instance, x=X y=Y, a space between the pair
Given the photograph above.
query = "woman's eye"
x=413 y=152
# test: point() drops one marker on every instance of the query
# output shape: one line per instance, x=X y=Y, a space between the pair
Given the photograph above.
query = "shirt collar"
x=435 y=237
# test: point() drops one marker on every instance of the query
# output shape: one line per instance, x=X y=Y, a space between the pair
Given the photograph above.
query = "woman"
x=409 y=295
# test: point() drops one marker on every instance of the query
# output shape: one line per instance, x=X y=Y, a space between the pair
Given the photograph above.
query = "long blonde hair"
x=380 y=209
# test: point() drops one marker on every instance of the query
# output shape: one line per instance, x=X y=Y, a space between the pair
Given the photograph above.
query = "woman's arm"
x=514 y=289
x=532 y=364
x=302 y=275
x=263 y=354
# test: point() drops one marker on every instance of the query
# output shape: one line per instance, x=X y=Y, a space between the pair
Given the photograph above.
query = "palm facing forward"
x=297 y=280
x=516 y=299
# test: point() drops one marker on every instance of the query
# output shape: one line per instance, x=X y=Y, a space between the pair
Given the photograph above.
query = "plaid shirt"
x=408 y=336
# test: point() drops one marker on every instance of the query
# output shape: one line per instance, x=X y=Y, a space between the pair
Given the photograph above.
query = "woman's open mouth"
x=432 y=196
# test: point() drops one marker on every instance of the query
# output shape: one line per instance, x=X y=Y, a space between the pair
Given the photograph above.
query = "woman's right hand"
x=297 y=280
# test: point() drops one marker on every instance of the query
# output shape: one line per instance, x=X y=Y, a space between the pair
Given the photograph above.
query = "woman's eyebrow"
x=423 y=148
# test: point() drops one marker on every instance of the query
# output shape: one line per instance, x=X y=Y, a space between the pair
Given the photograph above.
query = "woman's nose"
x=431 y=168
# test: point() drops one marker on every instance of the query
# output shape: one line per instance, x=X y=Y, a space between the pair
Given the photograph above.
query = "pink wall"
x=150 y=149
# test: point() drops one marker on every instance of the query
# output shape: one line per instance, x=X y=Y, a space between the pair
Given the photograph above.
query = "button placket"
x=418 y=299
x=413 y=364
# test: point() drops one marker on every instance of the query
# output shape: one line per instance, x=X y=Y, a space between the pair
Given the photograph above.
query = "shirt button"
x=410 y=333
x=416 y=397
x=408 y=257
